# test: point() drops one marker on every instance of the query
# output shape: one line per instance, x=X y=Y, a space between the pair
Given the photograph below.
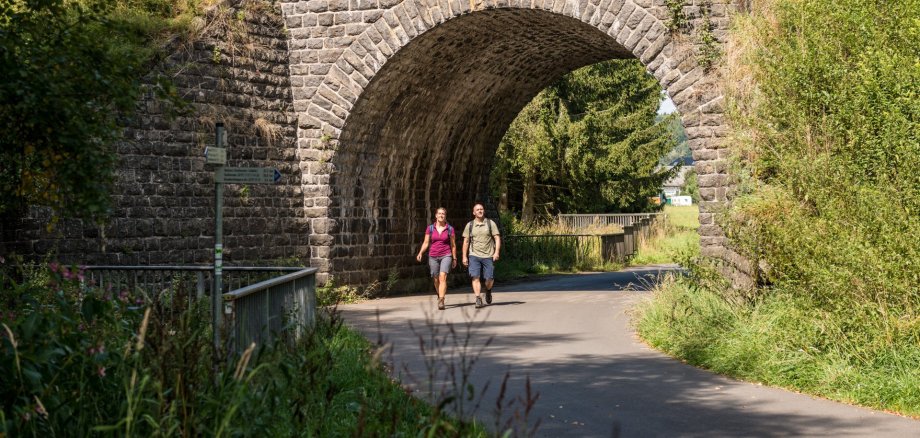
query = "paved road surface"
x=570 y=334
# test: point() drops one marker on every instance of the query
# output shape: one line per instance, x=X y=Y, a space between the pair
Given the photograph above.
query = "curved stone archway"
x=401 y=107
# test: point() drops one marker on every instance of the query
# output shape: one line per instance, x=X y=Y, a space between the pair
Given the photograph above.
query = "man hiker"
x=481 y=246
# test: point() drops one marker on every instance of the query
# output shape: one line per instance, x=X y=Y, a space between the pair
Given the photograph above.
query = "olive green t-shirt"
x=481 y=244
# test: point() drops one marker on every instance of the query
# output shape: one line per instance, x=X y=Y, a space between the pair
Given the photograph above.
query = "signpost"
x=219 y=158
x=217 y=155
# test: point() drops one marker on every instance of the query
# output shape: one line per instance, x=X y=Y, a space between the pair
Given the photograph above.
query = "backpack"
x=450 y=230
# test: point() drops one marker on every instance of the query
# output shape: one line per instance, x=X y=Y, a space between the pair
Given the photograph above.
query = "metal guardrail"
x=257 y=302
x=192 y=281
x=578 y=221
x=257 y=312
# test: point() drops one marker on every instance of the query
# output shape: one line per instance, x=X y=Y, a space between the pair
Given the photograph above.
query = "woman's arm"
x=424 y=247
x=453 y=250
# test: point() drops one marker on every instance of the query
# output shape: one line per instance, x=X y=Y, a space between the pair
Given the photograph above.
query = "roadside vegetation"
x=72 y=72
x=673 y=240
x=80 y=360
x=551 y=250
x=824 y=102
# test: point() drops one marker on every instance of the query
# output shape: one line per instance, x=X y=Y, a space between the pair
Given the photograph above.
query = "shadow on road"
x=592 y=381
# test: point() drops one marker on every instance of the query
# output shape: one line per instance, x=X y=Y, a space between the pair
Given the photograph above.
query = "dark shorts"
x=439 y=264
x=482 y=267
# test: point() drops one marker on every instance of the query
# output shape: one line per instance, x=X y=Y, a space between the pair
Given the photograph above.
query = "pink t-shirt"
x=440 y=242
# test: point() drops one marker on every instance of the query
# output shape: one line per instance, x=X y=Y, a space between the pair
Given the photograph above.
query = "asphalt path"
x=570 y=336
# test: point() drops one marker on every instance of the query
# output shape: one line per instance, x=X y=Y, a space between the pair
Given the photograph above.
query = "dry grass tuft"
x=269 y=131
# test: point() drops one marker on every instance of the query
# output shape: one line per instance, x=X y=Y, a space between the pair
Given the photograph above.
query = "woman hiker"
x=443 y=254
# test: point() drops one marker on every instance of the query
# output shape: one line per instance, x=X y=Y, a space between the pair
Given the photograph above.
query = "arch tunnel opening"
x=424 y=131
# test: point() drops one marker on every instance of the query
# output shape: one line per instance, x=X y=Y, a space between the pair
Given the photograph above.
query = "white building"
x=673 y=186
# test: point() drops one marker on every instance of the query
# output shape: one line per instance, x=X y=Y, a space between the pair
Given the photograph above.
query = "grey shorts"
x=482 y=267
x=439 y=264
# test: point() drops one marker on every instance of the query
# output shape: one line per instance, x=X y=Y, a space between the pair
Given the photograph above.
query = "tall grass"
x=549 y=248
x=673 y=240
x=785 y=340
x=78 y=360
x=828 y=144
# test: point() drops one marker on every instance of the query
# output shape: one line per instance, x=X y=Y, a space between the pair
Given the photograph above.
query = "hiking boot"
x=488 y=296
x=479 y=302
x=441 y=303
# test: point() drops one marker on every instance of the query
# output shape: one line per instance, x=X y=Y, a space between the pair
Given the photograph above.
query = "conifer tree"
x=588 y=143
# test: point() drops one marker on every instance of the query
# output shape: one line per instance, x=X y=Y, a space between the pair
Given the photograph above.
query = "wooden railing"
x=606 y=247
x=581 y=221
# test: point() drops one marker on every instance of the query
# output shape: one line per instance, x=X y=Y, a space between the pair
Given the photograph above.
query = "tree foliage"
x=588 y=143
x=68 y=71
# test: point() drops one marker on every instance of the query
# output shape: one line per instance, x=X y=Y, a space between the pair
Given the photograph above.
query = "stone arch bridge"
x=376 y=111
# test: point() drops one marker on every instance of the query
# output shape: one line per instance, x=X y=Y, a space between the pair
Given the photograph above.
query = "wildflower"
x=123 y=296
x=53 y=266
x=138 y=301
x=101 y=371
x=40 y=408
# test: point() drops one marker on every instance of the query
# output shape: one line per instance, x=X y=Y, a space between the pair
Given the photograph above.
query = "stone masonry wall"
x=401 y=104
x=235 y=72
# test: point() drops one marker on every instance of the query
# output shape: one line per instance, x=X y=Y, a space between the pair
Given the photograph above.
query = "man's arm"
x=466 y=251
x=498 y=247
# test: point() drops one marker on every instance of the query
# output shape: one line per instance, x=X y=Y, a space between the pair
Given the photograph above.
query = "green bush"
x=72 y=73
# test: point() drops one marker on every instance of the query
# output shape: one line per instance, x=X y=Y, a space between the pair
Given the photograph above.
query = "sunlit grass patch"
x=787 y=341
x=673 y=240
